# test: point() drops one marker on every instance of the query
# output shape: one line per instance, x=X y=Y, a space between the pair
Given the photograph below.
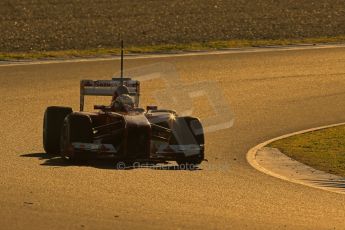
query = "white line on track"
x=183 y=54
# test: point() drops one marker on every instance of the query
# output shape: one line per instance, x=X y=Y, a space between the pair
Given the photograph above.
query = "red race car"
x=122 y=129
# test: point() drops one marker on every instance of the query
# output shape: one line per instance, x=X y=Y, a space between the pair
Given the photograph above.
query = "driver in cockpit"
x=122 y=101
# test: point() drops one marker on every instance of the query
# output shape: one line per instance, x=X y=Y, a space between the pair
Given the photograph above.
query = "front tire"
x=76 y=128
x=52 y=123
x=188 y=131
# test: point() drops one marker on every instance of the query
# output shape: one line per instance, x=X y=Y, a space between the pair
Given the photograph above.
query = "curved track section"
x=275 y=163
x=271 y=93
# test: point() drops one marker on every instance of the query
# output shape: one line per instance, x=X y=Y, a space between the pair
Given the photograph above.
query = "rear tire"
x=76 y=128
x=52 y=123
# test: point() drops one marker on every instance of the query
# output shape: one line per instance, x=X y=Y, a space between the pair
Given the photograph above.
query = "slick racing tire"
x=76 y=128
x=52 y=123
x=193 y=127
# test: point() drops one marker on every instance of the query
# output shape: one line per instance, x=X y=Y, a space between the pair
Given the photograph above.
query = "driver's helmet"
x=123 y=103
x=122 y=89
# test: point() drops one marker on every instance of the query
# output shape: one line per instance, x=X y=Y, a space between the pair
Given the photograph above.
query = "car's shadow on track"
x=57 y=161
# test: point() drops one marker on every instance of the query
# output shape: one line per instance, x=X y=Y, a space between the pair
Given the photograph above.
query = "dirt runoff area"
x=83 y=24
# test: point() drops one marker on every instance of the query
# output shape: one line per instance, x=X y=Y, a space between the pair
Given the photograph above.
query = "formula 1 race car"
x=122 y=129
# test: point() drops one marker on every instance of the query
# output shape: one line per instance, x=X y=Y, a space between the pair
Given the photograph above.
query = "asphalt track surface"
x=270 y=93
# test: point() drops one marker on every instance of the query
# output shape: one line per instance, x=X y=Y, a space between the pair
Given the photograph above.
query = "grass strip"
x=166 y=48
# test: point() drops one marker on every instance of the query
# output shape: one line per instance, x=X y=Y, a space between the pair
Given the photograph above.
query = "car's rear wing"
x=108 y=88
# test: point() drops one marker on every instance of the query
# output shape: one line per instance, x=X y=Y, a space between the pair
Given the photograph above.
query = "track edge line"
x=251 y=157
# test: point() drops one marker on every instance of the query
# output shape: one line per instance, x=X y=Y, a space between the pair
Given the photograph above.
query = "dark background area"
x=83 y=24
